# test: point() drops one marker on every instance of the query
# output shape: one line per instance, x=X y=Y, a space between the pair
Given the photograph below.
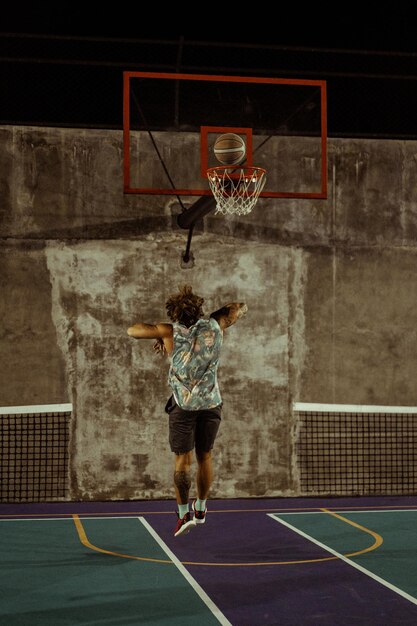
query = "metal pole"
x=186 y=255
x=196 y=212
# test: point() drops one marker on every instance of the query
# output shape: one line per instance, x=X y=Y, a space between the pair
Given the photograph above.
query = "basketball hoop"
x=236 y=189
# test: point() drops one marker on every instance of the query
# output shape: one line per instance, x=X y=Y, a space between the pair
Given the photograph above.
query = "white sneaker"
x=199 y=516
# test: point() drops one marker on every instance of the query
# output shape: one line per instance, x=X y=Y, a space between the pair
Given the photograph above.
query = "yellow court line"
x=85 y=541
x=378 y=539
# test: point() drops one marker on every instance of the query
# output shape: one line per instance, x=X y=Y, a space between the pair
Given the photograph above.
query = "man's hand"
x=159 y=347
x=242 y=309
x=230 y=313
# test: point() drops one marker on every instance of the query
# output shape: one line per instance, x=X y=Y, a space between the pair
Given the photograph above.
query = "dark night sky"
x=64 y=67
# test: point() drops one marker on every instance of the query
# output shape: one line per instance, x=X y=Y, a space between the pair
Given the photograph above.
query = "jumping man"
x=193 y=345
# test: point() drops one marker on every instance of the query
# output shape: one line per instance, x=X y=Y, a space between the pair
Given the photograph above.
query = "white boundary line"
x=194 y=584
x=33 y=408
x=343 y=511
x=351 y=408
x=68 y=516
x=65 y=517
x=390 y=586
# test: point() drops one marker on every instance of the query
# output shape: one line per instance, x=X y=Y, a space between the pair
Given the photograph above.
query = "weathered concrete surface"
x=32 y=369
x=330 y=286
x=361 y=326
x=120 y=386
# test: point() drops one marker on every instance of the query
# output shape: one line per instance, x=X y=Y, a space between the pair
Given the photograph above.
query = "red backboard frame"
x=127 y=76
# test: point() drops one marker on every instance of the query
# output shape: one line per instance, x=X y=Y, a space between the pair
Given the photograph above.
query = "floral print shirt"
x=194 y=361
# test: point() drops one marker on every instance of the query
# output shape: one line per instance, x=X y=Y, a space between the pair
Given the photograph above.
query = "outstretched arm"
x=162 y=332
x=229 y=314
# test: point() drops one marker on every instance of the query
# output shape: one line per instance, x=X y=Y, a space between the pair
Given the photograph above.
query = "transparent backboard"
x=172 y=120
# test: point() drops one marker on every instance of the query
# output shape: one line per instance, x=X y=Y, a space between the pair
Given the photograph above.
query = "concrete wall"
x=330 y=286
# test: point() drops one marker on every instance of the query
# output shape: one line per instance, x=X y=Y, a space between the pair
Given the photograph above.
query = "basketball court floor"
x=255 y=562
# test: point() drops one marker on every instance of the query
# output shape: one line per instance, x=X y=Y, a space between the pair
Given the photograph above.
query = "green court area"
x=381 y=543
x=49 y=577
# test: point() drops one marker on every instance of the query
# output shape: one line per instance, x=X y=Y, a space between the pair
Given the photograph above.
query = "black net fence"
x=34 y=454
x=357 y=453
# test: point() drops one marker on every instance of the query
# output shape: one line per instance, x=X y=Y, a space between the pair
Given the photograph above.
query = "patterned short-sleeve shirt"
x=194 y=361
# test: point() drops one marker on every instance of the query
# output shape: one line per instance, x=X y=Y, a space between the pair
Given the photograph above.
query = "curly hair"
x=185 y=307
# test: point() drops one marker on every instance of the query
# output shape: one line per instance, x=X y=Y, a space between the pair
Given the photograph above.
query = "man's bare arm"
x=162 y=332
x=150 y=331
x=229 y=314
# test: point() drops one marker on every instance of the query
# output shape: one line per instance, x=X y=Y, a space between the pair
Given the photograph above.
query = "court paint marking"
x=172 y=560
x=69 y=516
x=376 y=536
x=281 y=511
x=345 y=557
x=86 y=542
x=190 y=581
x=194 y=584
x=350 y=511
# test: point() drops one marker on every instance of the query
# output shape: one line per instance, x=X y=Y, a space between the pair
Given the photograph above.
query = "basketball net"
x=236 y=189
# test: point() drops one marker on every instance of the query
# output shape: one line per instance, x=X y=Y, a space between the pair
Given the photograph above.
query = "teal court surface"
x=274 y=561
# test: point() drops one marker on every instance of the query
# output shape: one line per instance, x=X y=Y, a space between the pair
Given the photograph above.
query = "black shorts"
x=192 y=429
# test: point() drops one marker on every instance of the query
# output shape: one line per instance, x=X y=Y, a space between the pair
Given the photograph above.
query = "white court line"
x=342 y=511
x=68 y=517
x=390 y=586
x=194 y=584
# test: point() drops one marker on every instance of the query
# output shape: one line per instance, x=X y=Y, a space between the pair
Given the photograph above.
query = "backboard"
x=170 y=123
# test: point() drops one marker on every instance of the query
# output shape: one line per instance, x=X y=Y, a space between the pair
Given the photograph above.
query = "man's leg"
x=181 y=437
x=204 y=473
x=182 y=483
x=206 y=432
x=204 y=480
x=182 y=480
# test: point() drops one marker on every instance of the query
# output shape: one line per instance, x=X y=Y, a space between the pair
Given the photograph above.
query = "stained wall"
x=330 y=286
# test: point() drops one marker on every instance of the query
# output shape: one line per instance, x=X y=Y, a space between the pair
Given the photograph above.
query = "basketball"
x=229 y=149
